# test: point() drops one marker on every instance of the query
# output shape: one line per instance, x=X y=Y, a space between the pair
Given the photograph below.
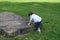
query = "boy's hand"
x=28 y=24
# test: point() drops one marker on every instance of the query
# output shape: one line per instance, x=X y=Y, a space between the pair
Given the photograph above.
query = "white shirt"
x=35 y=18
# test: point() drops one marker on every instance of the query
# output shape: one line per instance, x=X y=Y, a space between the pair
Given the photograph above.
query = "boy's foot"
x=39 y=30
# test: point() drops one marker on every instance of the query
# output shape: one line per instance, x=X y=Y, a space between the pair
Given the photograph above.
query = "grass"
x=32 y=0
x=50 y=12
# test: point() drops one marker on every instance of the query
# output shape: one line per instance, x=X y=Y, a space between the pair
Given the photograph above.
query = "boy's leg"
x=39 y=30
x=37 y=25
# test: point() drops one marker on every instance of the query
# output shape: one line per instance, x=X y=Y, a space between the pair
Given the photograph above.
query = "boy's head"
x=30 y=13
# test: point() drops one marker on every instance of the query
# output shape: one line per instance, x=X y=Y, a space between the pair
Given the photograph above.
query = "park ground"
x=32 y=0
x=50 y=13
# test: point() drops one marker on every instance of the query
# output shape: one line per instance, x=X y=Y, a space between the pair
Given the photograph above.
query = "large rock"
x=12 y=25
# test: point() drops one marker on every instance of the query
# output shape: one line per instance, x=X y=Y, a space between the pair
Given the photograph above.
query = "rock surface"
x=12 y=24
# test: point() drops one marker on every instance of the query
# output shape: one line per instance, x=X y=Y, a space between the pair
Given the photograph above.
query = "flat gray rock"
x=12 y=24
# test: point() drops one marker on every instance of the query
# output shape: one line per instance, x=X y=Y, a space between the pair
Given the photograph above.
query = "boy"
x=36 y=19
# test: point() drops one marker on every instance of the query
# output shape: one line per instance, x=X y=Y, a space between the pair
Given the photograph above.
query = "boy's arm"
x=29 y=22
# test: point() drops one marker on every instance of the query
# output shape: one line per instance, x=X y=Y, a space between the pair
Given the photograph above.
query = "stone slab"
x=12 y=24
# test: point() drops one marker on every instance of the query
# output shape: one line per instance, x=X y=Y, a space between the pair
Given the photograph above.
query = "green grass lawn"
x=50 y=12
x=32 y=0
